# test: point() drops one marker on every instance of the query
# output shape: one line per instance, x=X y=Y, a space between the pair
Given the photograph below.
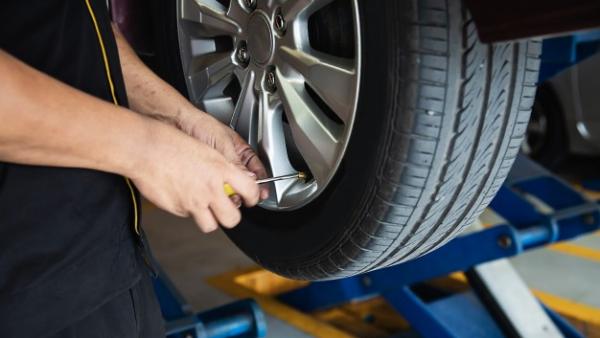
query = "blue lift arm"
x=526 y=228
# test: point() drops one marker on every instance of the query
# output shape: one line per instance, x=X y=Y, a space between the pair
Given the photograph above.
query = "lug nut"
x=279 y=23
x=250 y=4
x=270 y=83
x=241 y=54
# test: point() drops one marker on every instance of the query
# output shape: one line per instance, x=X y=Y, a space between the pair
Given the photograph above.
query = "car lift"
x=499 y=305
x=241 y=319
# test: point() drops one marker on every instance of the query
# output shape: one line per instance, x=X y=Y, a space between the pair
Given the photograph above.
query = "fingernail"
x=237 y=201
x=264 y=194
x=251 y=174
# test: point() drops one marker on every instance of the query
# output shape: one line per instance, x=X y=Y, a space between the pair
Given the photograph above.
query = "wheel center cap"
x=260 y=38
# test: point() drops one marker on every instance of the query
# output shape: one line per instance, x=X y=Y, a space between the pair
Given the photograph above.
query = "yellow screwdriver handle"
x=228 y=190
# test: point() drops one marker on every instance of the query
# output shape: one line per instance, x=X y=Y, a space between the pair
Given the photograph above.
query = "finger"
x=244 y=185
x=251 y=161
x=228 y=146
x=264 y=192
x=225 y=211
x=244 y=169
x=175 y=210
x=205 y=220
x=236 y=200
x=254 y=165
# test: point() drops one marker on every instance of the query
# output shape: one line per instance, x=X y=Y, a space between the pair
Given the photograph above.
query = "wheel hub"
x=260 y=38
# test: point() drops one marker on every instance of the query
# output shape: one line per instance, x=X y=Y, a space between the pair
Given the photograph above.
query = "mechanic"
x=80 y=112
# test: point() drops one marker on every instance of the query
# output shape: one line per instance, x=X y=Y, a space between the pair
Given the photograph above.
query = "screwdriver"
x=299 y=176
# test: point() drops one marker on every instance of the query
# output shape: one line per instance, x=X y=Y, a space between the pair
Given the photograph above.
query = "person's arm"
x=149 y=95
x=46 y=122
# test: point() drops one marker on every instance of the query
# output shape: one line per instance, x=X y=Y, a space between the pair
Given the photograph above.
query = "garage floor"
x=569 y=271
x=189 y=257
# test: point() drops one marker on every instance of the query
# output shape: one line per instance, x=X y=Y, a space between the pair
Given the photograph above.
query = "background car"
x=566 y=114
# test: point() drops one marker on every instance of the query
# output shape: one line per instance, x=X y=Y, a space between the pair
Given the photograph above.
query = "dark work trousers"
x=134 y=313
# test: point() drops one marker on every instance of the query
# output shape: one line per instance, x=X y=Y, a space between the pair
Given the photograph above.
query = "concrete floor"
x=189 y=257
x=566 y=275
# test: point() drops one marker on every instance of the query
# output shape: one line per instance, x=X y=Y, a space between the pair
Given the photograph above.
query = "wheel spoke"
x=271 y=144
x=316 y=91
x=237 y=12
x=207 y=71
x=315 y=138
x=332 y=78
x=211 y=17
x=244 y=119
x=293 y=8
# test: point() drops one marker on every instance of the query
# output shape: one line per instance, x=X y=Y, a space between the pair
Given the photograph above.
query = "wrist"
x=188 y=118
x=156 y=145
x=140 y=147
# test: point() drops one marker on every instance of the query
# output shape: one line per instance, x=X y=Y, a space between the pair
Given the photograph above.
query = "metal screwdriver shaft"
x=299 y=176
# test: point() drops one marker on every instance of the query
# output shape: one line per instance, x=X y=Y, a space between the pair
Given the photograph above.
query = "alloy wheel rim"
x=250 y=64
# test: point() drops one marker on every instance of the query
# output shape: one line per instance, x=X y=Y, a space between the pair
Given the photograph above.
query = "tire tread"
x=467 y=124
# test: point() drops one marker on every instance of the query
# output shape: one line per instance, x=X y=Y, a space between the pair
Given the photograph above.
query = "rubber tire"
x=440 y=121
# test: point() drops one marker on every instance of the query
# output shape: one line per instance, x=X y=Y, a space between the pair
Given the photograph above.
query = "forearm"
x=45 y=122
x=148 y=94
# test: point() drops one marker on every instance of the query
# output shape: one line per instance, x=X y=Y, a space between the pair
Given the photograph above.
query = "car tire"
x=440 y=120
